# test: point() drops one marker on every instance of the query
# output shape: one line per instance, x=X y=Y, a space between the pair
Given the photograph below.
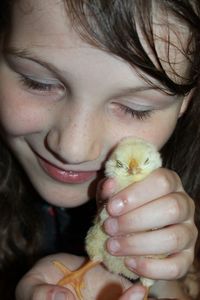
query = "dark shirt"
x=65 y=229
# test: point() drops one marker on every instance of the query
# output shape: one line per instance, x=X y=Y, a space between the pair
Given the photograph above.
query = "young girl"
x=75 y=78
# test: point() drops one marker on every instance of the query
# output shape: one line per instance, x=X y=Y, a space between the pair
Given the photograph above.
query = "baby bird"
x=131 y=161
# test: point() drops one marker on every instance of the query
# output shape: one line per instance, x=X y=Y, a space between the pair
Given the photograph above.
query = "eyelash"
x=138 y=114
x=36 y=85
x=48 y=87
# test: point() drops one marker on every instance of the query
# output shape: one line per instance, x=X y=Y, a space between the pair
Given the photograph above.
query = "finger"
x=44 y=292
x=136 y=292
x=105 y=189
x=39 y=282
x=158 y=184
x=173 y=208
x=166 y=241
x=169 y=268
x=52 y=293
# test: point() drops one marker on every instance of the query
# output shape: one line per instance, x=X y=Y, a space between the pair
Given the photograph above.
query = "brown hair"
x=112 y=25
x=114 y=28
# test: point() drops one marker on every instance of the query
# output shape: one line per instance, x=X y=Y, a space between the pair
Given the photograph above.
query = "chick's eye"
x=147 y=161
x=137 y=114
x=119 y=164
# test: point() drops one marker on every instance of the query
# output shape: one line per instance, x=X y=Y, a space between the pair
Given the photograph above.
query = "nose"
x=76 y=140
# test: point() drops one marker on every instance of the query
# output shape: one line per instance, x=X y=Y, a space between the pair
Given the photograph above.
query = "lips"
x=66 y=176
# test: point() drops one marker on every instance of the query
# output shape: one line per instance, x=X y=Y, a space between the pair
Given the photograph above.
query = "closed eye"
x=137 y=114
x=119 y=164
x=41 y=86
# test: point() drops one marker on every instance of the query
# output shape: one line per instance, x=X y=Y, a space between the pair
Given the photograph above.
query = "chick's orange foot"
x=146 y=294
x=75 y=278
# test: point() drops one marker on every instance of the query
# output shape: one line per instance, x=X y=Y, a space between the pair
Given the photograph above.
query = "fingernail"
x=60 y=296
x=114 y=245
x=111 y=185
x=137 y=296
x=131 y=263
x=111 y=226
x=116 y=206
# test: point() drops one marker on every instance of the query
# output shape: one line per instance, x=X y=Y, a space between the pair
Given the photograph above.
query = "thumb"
x=45 y=292
x=136 y=292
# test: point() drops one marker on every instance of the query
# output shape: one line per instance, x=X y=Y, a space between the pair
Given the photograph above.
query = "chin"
x=63 y=196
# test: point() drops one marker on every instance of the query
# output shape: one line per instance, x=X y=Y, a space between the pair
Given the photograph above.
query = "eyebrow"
x=26 y=54
x=133 y=90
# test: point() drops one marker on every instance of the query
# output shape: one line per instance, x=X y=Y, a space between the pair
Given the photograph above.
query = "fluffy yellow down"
x=131 y=161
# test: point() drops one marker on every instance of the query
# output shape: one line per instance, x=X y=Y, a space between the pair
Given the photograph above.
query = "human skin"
x=98 y=284
x=71 y=118
x=80 y=116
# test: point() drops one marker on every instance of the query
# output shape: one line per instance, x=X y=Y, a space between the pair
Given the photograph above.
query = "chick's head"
x=132 y=160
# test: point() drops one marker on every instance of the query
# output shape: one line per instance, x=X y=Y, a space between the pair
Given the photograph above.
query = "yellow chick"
x=131 y=161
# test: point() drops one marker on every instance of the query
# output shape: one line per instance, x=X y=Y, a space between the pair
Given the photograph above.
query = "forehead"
x=45 y=23
x=40 y=21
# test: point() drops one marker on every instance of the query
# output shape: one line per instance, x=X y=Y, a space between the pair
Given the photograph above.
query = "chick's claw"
x=75 y=278
x=130 y=162
x=146 y=294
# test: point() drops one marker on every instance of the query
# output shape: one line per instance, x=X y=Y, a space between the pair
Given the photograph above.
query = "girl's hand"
x=151 y=217
x=40 y=282
x=137 y=292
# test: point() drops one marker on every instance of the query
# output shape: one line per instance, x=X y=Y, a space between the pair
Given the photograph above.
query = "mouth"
x=65 y=176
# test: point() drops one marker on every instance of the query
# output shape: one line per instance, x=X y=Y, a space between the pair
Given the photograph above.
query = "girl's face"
x=65 y=104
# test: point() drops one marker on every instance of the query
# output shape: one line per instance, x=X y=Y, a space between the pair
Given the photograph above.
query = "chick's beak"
x=133 y=167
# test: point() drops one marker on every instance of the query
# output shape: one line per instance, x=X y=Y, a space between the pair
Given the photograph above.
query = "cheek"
x=162 y=134
x=19 y=115
x=159 y=131
x=156 y=130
